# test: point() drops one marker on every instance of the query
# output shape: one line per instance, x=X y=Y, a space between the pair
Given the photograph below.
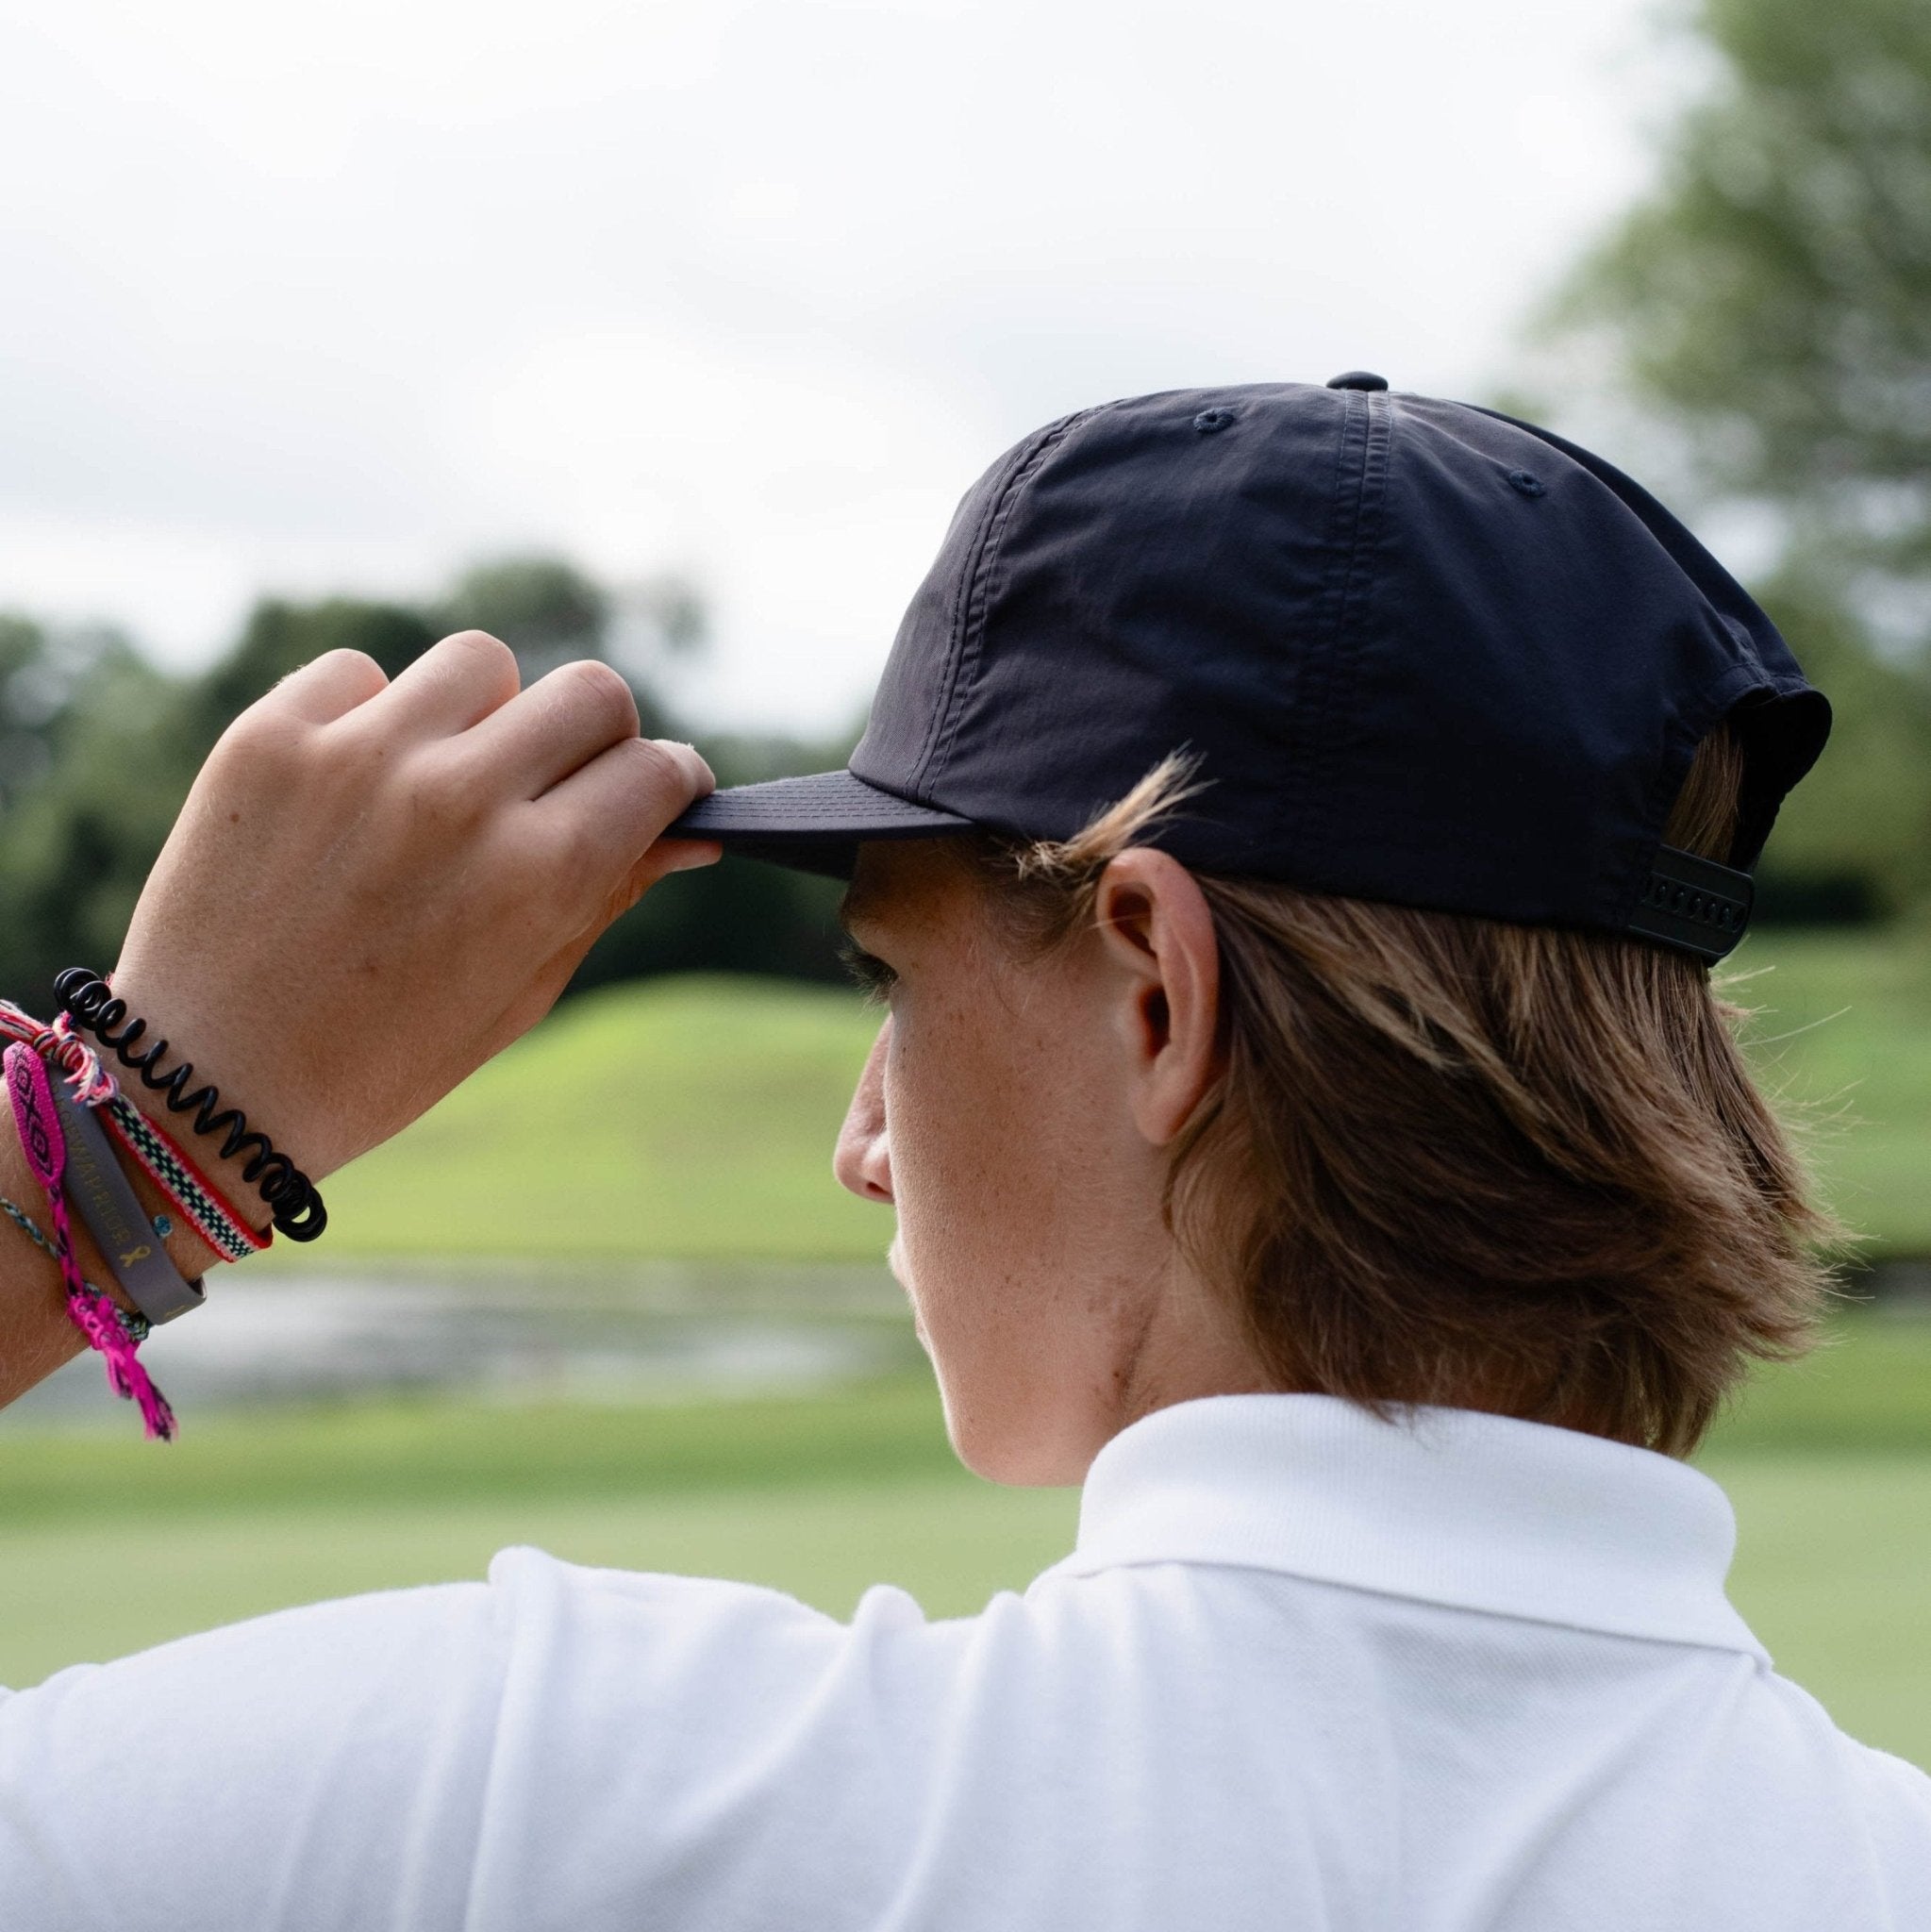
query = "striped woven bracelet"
x=183 y=1182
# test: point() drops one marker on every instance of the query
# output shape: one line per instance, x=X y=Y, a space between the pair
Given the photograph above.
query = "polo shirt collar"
x=1445 y=1506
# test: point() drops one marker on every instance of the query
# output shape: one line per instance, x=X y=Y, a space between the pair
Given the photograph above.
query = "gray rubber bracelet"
x=113 y=1210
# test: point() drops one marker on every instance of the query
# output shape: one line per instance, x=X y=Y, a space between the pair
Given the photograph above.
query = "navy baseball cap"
x=1421 y=652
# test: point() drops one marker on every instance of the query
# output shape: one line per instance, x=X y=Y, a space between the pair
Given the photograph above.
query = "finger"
x=452 y=686
x=560 y=722
x=660 y=860
x=606 y=815
x=676 y=855
x=329 y=687
x=546 y=987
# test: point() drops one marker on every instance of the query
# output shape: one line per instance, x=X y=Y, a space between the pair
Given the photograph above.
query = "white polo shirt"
x=1306 y=1670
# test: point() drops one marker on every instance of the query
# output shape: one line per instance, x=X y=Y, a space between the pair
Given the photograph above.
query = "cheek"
x=984 y=1126
x=934 y=1097
x=1002 y=1245
x=952 y=1102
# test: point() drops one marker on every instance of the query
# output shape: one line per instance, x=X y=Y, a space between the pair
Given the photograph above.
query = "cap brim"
x=814 y=823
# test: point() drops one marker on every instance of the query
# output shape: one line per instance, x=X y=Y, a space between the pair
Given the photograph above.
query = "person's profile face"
x=984 y=1117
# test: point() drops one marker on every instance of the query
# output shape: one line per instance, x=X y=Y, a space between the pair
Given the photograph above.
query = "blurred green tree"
x=1853 y=842
x=31 y=691
x=1773 y=292
x=86 y=815
x=1771 y=301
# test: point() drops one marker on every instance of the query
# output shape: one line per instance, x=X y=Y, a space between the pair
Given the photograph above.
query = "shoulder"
x=524 y=1750
x=1897 y=1798
x=1874 y=1799
x=717 y=1743
x=721 y=1659
x=664 y=1644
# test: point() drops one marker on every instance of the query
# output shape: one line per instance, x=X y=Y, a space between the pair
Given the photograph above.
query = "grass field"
x=1849 y=1028
x=679 y=1117
x=696 y=1117
x=108 y=1544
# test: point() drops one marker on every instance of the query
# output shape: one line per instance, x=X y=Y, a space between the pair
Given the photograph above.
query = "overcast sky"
x=307 y=298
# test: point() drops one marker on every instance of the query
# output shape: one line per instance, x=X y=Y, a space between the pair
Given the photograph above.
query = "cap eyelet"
x=1528 y=485
x=1210 y=420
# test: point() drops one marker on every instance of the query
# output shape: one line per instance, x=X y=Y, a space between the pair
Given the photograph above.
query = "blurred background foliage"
x=1773 y=292
x=1767 y=309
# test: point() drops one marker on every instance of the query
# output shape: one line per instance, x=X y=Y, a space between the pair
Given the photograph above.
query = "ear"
x=1157 y=933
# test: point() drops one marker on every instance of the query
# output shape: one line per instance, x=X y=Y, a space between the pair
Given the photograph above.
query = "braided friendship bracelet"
x=91 y=1084
x=132 y=1320
x=161 y=1156
x=91 y=1003
x=87 y=1308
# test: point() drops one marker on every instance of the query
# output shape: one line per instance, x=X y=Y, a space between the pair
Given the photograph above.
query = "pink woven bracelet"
x=89 y=1310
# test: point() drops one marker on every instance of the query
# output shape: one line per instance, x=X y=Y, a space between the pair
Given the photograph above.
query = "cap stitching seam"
x=955 y=616
x=1378 y=443
x=1300 y=729
x=978 y=601
x=1318 y=664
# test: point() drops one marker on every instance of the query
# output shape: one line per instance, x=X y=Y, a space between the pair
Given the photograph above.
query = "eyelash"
x=872 y=974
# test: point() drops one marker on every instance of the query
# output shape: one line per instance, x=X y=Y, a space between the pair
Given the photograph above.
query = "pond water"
x=626 y=1333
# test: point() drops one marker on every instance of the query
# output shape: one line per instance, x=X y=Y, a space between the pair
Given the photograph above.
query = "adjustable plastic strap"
x=1694 y=904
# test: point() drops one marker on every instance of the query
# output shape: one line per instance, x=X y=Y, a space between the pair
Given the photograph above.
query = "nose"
x=863 y=1160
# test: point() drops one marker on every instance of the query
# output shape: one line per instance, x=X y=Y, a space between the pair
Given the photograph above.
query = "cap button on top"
x=1358 y=378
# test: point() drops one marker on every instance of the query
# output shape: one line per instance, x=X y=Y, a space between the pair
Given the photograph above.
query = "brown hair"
x=1453 y=1159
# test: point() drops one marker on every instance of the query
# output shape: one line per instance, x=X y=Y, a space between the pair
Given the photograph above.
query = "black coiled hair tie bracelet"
x=91 y=1001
